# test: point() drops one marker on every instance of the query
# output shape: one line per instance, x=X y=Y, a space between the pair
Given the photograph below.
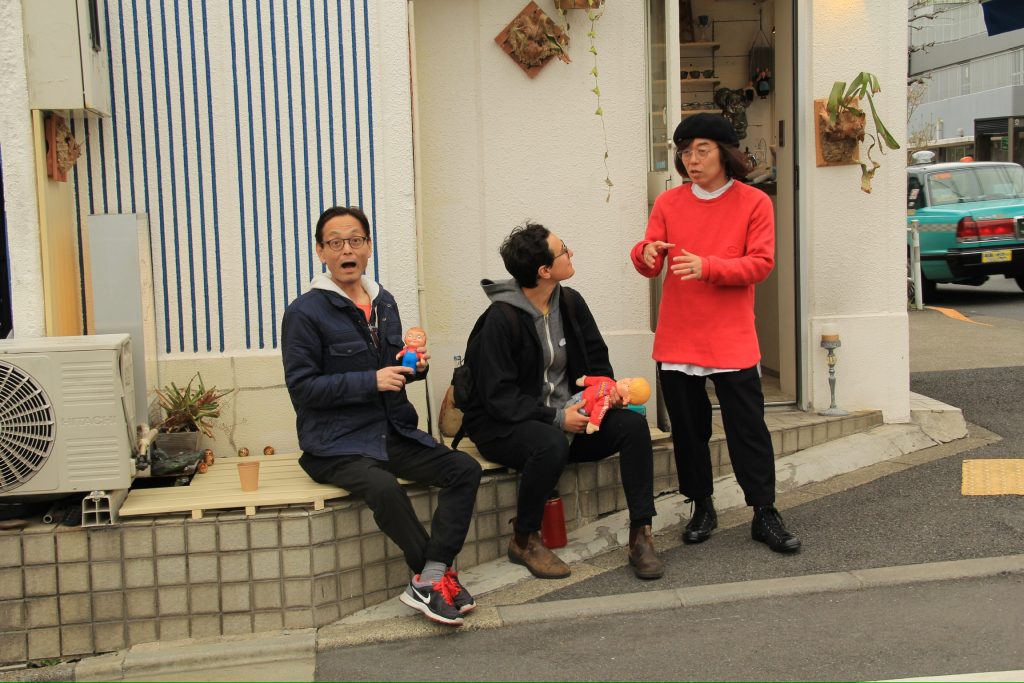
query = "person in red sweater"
x=718 y=236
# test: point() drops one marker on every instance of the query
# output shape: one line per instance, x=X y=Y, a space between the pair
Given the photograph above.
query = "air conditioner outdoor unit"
x=67 y=415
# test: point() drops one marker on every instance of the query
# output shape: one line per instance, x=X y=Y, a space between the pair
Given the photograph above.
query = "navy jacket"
x=330 y=367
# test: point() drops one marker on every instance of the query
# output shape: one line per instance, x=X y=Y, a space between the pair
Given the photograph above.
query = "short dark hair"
x=524 y=251
x=336 y=211
x=734 y=161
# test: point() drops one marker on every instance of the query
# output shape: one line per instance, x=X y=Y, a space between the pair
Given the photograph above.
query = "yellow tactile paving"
x=993 y=477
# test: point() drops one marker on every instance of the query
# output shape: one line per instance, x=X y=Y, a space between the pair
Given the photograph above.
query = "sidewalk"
x=594 y=551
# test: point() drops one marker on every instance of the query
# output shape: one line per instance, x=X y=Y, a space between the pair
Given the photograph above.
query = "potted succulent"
x=189 y=412
x=841 y=125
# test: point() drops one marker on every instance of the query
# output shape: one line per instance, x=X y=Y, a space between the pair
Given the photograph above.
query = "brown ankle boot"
x=645 y=561
x=536 y=557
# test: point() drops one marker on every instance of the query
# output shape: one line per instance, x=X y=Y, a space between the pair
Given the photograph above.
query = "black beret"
x=708 y=126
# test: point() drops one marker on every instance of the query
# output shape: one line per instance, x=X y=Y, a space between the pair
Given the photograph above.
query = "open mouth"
x=348 y=264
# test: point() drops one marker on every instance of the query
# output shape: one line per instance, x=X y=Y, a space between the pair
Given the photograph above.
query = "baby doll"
x=604 y=393
x=412 y=352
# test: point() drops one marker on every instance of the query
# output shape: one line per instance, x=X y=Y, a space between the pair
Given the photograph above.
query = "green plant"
x=190 y=409
x=845 y=120
x=593 y=15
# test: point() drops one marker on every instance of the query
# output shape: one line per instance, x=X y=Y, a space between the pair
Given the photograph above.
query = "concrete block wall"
x=67 y=592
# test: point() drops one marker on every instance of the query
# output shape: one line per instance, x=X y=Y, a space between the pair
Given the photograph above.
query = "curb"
x=486 y=618
x=181 y=657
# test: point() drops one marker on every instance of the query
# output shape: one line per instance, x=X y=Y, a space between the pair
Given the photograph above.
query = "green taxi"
x=970 y=221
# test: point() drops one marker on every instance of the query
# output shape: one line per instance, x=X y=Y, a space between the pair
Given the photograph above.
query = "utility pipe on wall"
x=418 y=200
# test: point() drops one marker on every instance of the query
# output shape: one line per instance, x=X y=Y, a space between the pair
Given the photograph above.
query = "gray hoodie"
x=554 y=387
x=324 y=281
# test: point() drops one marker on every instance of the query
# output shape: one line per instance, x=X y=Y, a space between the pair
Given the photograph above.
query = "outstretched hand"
x=687 y=266
x=651 y=250
x=392 y=378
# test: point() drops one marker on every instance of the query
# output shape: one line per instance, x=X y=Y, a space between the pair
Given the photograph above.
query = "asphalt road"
x=1000 y=297
x=914 y=630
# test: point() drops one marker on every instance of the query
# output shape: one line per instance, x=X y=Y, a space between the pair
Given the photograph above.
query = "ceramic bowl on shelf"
x=695 y=73
x=709 y=73
x=684 y=74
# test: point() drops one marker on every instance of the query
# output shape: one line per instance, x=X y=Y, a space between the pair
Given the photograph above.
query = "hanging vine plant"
x=595 y=11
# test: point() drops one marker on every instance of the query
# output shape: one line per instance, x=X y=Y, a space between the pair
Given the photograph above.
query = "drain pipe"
x=421 y=298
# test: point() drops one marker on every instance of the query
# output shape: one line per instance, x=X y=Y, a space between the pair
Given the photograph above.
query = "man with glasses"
x=716 y=238
x=356 y=426
x=537 y=339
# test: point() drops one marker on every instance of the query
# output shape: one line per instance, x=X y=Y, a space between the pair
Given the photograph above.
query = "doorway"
x=698 y=51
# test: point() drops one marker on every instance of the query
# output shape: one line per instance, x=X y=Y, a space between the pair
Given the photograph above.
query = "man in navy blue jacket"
x=356 y=426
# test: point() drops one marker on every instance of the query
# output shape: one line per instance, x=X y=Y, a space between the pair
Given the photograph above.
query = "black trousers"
x=750 y=443
x=376 y=482
x=541 y=451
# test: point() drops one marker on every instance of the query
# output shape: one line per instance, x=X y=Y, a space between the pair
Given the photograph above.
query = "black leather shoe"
x=768 y=528
x=703 y=521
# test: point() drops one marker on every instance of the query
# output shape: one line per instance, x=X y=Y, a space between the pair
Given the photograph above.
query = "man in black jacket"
x=522 y=377
x=357 y=428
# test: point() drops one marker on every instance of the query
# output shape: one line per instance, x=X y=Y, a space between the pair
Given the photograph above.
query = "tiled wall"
x=78 y=591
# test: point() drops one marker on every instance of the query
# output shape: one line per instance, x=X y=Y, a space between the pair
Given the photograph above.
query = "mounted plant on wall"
x=62 y=149
x=841 y=124
x=531 y=39
x=595 y=11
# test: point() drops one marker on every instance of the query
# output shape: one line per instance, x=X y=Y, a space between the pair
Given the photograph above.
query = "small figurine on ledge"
x=604 y=393
x=412 y=353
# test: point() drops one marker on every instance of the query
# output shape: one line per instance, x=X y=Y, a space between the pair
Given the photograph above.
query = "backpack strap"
x=513 y=320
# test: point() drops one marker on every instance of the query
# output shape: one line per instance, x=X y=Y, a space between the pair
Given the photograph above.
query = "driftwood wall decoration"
x=531 y=39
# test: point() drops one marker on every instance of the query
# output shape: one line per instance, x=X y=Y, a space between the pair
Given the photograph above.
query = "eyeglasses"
x=699 y=152
x=565 y=250
x=354 y=242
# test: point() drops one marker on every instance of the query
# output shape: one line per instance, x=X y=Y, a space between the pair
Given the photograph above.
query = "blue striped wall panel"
x=234 y=123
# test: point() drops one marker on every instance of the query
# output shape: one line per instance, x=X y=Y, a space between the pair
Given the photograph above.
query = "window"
x=982 y=183
x=915 y=198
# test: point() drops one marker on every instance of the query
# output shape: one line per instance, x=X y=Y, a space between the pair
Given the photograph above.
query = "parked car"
x=970 y=217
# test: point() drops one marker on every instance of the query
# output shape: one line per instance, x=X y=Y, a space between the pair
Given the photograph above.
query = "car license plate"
x=996 y=256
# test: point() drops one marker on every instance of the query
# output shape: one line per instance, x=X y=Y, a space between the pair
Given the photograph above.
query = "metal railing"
x=914 y=266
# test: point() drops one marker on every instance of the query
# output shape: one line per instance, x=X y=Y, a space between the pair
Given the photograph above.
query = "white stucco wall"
x=19 y=177
x=396 y=219
x=499 y=148
x=259 y=412
x=854 y=243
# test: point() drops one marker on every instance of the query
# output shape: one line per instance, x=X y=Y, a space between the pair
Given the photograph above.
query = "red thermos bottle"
x=552 y=527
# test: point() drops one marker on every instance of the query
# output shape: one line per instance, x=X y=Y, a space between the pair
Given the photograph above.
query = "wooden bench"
x=282 y=482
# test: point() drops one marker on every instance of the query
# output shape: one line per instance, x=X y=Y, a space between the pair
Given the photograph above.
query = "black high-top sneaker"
x=703 y=521
x=768 y=528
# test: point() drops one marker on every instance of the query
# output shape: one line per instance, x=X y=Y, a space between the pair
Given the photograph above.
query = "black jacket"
x=507 y=367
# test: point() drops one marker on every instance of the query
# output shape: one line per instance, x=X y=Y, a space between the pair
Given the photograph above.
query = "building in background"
x=967 y=87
